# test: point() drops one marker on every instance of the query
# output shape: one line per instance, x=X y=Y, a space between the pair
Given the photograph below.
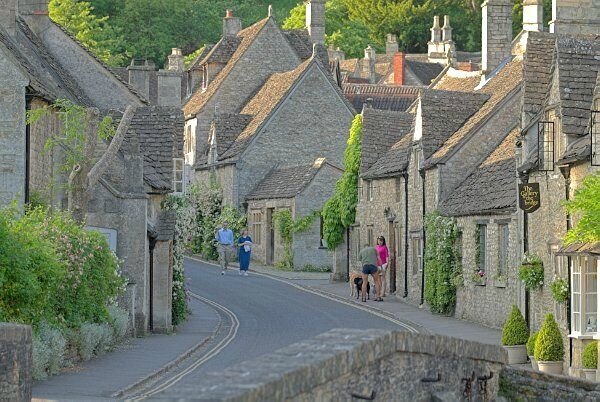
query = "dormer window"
x=546 y=139
x=595 y=133
x=178 y=176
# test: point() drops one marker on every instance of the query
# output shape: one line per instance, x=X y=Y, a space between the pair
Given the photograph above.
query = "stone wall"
x=415 y=226
x=226 y=178
x=15 y=362
x=41 y=165
x=12 y=130
x=344 y=365
x=261 y=249
x=489 y=301
x=575 y=17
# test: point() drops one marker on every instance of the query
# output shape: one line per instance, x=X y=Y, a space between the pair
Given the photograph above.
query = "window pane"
x=575 y=283
x=576 y=326
x=591 y=301
x=591 y=323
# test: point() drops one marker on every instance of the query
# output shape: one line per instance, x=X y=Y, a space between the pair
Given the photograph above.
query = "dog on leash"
x=356 y=282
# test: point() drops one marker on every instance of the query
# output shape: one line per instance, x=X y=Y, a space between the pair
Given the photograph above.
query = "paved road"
x=271 y=315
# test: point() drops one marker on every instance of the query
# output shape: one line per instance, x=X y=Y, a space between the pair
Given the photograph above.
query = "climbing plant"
x=442 y=262
x=286 y=227
x=339 y=211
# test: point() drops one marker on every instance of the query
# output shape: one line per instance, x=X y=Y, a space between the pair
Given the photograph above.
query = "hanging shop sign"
x=529 y=197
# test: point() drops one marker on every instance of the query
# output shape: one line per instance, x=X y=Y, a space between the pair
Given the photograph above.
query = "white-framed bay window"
x=584 y=296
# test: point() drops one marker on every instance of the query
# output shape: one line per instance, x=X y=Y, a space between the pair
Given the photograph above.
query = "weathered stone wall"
x=307 y=248
x=524 y=385
x=344 y=365
x=415 y=226
x=41 y=166
x=575 y=17
x=12 y=130
x=260 y=250
x=15 y=362
x=163 y=287
x=489 y=301
x=312 y=122
x=225 y=177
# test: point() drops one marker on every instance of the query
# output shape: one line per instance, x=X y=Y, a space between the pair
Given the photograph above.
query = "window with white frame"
x=584 y=295
x=178 y=176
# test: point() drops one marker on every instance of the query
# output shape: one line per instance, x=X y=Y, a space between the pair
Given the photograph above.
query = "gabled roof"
x=491 y=188
x=47 y=77
x=457 y=80
x=384 y=97
x=228 y=127
x=394 y=162
x=287 y=182
x=426 y=72
x=444 y=112
x=505 y=83
x=222 y=51
x=381 y=130
x=198 y=61
x=537 y=71
x=158 y=131
x=578 y=64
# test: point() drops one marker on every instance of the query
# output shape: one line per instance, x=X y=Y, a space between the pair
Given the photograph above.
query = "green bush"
x=119 y=321
x=515 y=331
x=560 y=290
x=55 y=343
x=590 y=355
x=91 y=336
x=531 y=344
x=531 y=272
x=41 y=358
x=549 y=344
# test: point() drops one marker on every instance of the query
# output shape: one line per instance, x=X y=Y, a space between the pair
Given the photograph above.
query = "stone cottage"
x=302 y=190
x=41 y=63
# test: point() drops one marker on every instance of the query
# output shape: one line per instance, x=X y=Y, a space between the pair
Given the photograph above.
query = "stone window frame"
x=398 y=188
x=416 y=252
x=356 y=239
x=370 y=235
x=583 y=270
x=503 y=248
x=370 y=190
x=178 y=176
x=481 y=244
x=398 y=237
x=257 y=225
x=322 y=242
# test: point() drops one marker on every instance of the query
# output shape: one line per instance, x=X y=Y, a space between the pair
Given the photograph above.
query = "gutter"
x=405 y=176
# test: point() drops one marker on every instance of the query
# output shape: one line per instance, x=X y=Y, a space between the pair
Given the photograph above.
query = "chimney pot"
x=270 y=10
x=447 y=30
x=176 y=60
x=533 y=15
x=436 y=32
x=228 y=13
x=231 y=25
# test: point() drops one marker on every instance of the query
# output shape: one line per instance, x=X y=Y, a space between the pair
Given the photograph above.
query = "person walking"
x=370 y=260
x=244 y=245
x=224 y=238
x=383 y=253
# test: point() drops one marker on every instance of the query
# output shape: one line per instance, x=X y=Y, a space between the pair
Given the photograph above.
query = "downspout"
x=566 y=172
x=525 y=179
x=405 y=176
x=28 y=98
x=423 y=245
x=151 y=245
x=348 y=254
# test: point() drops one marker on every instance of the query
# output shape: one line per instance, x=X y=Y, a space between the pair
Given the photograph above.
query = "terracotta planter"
x=551 y=367
x=516 y=354
x=534 y=364
x=590 y=374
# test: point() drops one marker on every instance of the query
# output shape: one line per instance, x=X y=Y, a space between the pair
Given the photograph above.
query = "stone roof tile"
x=384 y=97
x=537 y=72
x=227 y=126
x=456 y=80
x=426 y=72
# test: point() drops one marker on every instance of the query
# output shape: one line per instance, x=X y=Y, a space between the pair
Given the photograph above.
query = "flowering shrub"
x=531 y=272
x=560 y=289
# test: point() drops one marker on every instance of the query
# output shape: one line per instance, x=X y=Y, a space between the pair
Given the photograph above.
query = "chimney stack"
x=391 y=45
x=231 y=25
x=8 y=15
x=496 y=33
x=435 y=47
x=33 y=7
x=315 y=20
x=571 y=17
x=139 y=76
x=446 y=30
x=169 y=88
x=370 y=58
x=399 y=66
x=176 y=60
x=533 y=15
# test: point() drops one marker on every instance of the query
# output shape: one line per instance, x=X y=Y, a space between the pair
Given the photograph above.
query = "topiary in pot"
x=549 y=348
x=514 y=337
x=531 y=349
x=590 y=360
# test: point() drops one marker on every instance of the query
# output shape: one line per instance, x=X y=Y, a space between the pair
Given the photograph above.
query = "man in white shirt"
x=224 y=238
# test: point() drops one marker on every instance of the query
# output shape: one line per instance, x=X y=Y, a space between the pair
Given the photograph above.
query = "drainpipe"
x=566 y=172
x=405 y=176
x=28 y=98
x=151 y=245
x=525 y=179
x=348 y=254
x=422 y=173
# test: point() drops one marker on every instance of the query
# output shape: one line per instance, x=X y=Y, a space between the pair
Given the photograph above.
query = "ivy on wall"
x=442 y=262
x=286 y=227
x=339 y=211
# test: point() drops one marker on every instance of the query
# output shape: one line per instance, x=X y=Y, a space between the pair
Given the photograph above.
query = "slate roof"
x=456 y=80
x=286 y=182
x=505 y=83
x=394 y=161
x=424 y=71
x=443 y=113
x=47 y=77
x=384 y=97
x=223 y=50
x=158 y=131
x=537 y=71
x=381 y=130
x=491 y=188
x=197 y=63
x=578 y=63
x=228 y=126
x=580 y=248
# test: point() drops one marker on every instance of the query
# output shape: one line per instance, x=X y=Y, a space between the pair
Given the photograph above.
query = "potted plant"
x=549 y=348
x=531 y=349
x=478 y=277
x=531 y=272
x=514 y=337
x=590 y=360
x=560 y=289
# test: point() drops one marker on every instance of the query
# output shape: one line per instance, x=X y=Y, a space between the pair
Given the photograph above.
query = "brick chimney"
x=533 y=15
x=496 y=33
x=370 y=58
x=315 y=20
x=8 y=13
x=139 y=76
x=231 y=25
x=399 y=66
x=575 y=17
x=176 y=60
x=391 y=45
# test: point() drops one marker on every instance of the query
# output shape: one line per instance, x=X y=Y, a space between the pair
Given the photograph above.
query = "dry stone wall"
x=15 y=362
